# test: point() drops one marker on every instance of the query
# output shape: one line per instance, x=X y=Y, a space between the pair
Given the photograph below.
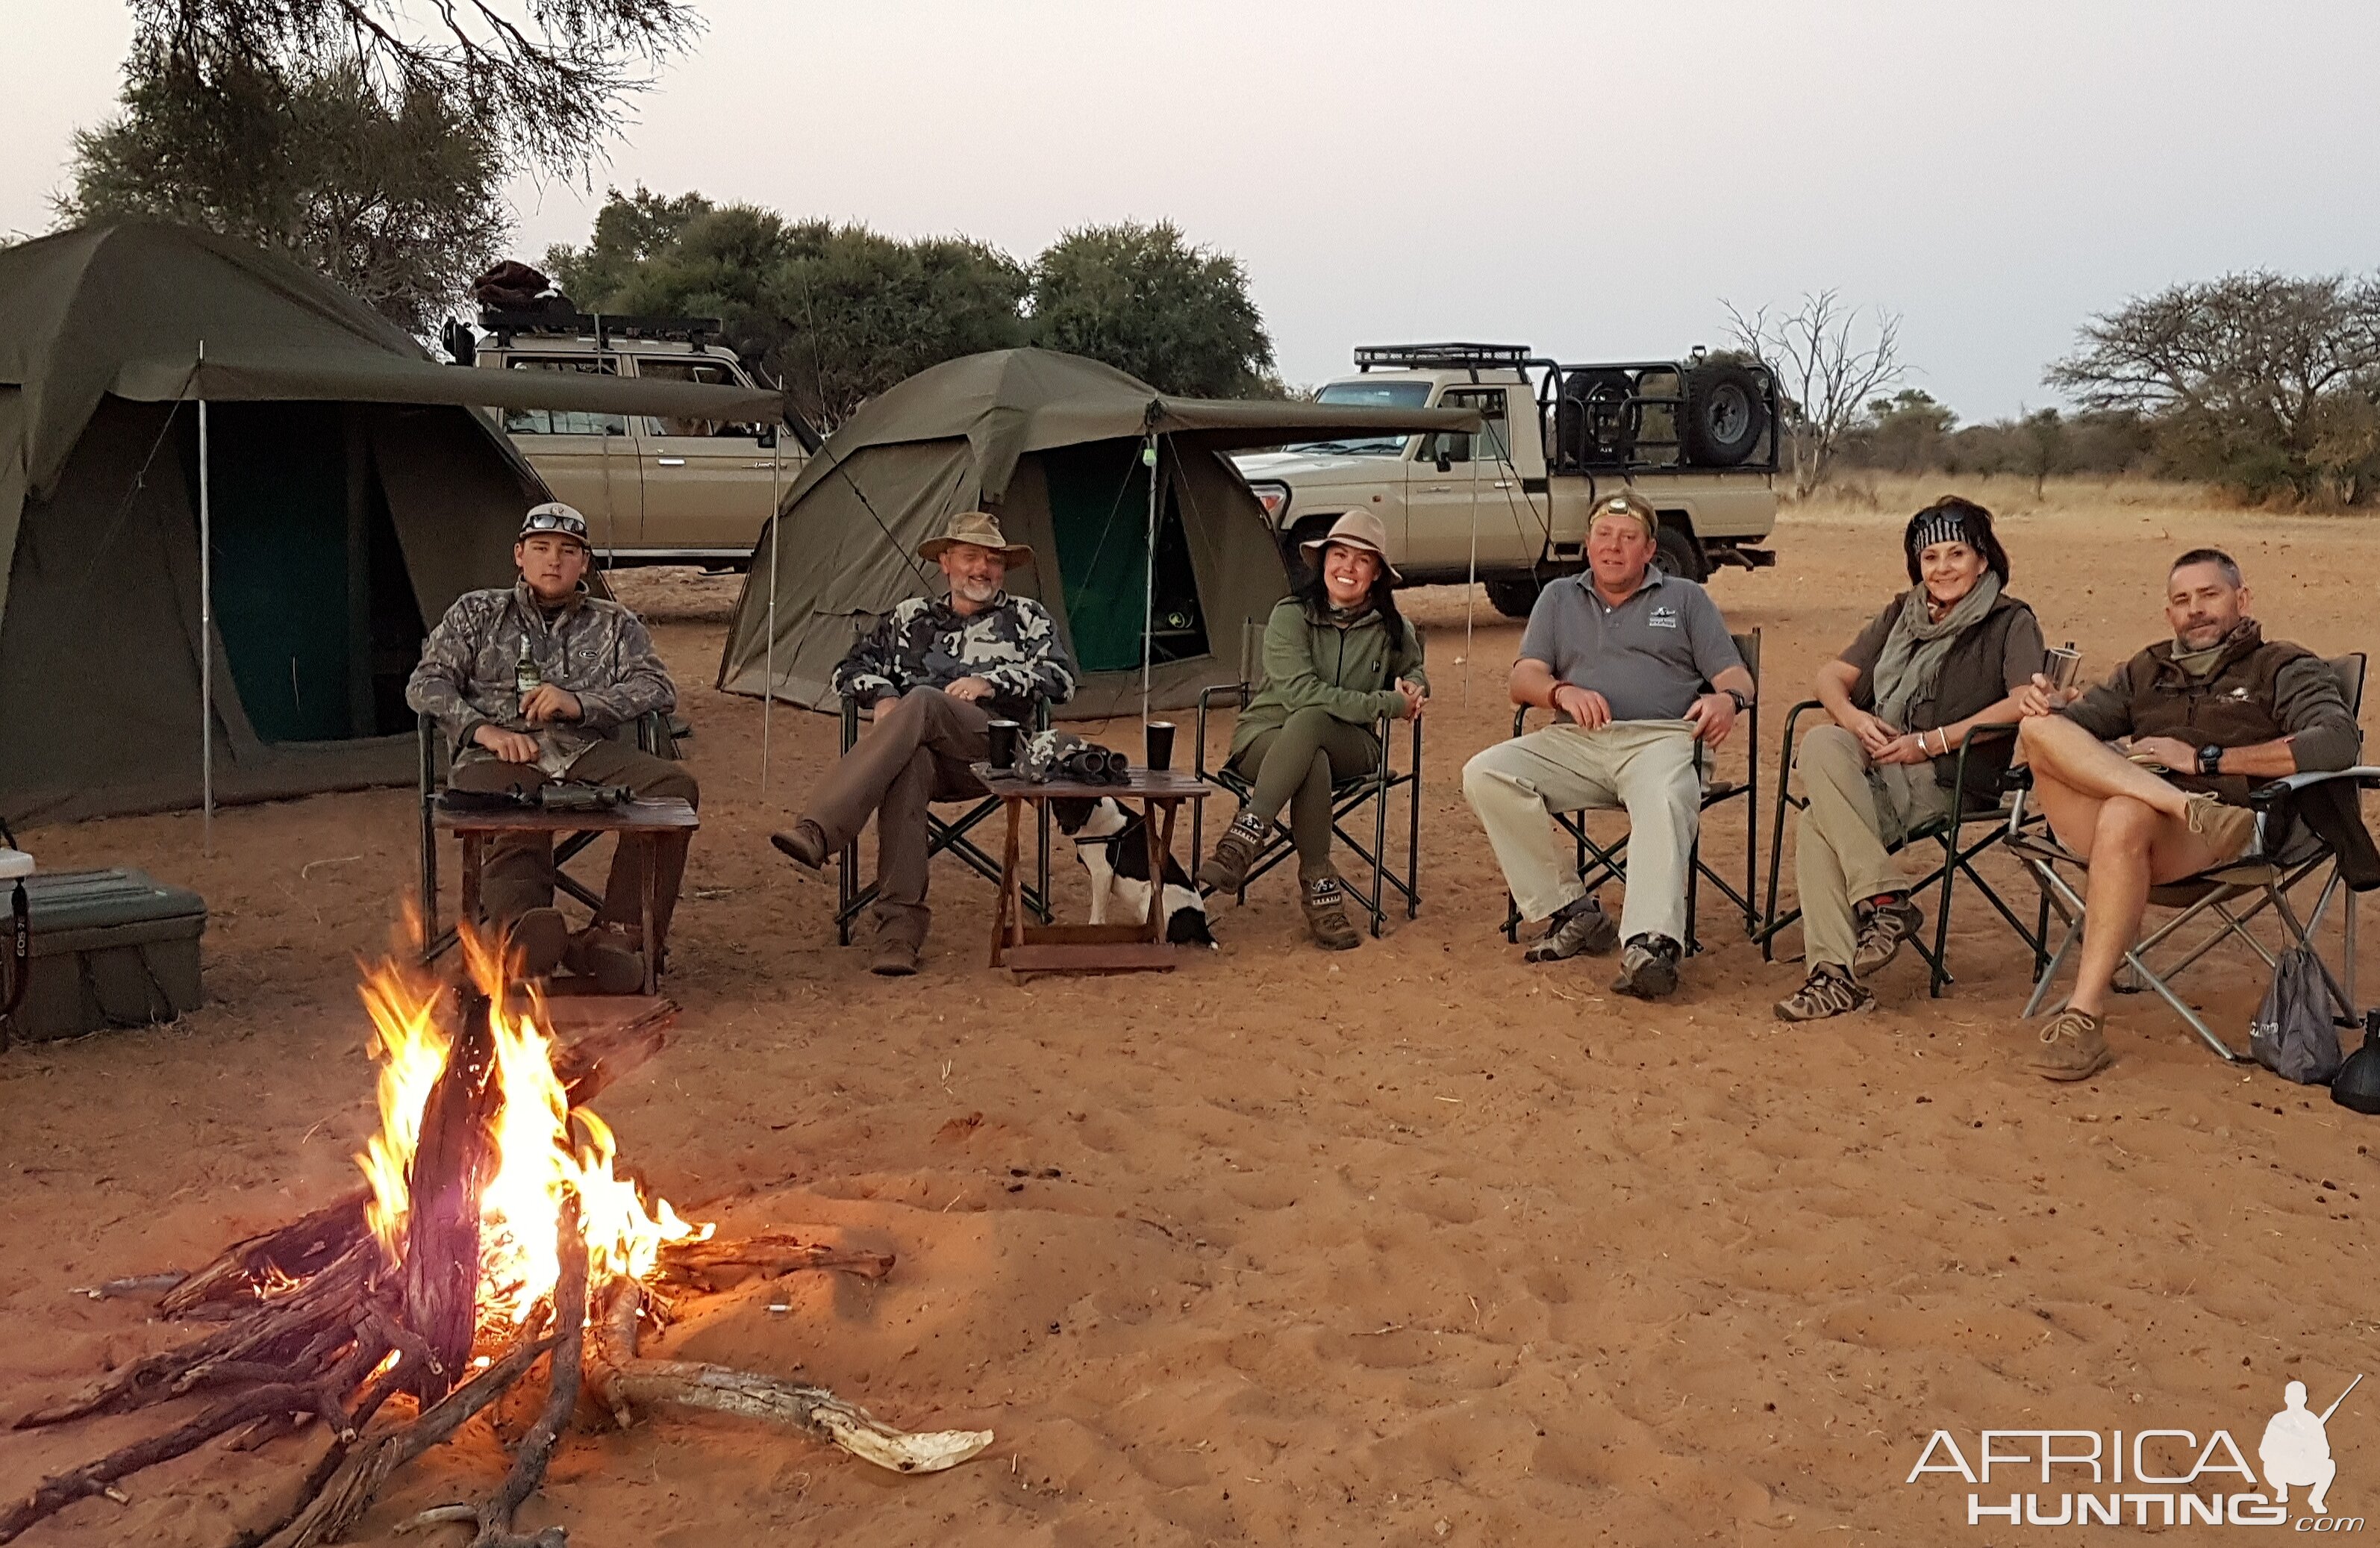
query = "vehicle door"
x=589 y=460
x=707 y=484
x=1451 y=470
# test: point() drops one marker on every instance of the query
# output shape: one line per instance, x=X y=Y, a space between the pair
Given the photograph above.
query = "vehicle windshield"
x=1368 y=394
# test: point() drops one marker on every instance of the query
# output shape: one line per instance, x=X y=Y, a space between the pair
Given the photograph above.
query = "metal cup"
x=1004 y=735
x=2063 y=668
x=1160 y=745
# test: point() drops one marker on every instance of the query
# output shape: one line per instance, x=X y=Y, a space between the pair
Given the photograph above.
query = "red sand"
x=1414 y=1243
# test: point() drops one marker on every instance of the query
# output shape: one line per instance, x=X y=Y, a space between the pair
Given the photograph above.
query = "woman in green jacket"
x=1337 y=655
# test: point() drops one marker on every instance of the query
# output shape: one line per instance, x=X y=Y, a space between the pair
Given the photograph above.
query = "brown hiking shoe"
x=1579 y=926
x=2228 y=830
x=1326 y=916
x=805 y=846
x=540 y=937
x=1227 y=868
x=601 y=954
x=2071 y=1048
x=896 y=956
x=1882 y=929
x=1829 y=991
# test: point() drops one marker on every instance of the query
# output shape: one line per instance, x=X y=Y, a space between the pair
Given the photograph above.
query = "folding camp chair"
x=1347 y=798
x=1610 y=860
x=941 y=834
x=1948 y=831
x=2261 y=880
x=653 y=735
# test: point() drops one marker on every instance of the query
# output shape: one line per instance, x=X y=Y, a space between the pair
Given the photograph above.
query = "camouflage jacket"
x=596 y=649
x=1013 y=645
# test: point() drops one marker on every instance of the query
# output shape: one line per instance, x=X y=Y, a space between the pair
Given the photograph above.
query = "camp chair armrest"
x=1238 y=694
x=2273 y=792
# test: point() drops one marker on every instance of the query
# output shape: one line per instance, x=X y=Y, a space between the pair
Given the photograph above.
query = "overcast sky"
x=1589 y=178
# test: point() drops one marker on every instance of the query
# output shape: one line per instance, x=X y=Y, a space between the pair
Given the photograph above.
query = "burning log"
x=451 y=1165
x=491 y=1206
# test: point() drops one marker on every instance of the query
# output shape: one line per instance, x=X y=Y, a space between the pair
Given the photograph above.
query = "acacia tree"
x=2258 y=380
x=1826 y=376
x=1146 y=300
x=369 y=147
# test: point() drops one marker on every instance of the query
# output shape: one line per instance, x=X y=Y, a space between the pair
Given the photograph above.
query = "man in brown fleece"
x=2210 y=714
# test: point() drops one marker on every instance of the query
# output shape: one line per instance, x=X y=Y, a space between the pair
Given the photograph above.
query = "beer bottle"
x=527 y=678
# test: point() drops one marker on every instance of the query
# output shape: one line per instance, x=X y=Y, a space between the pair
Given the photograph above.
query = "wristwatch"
x=2210 y=760
x=1742 y=702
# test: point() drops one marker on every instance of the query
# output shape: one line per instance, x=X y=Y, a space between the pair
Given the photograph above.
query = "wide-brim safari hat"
x=981 y=528
x=1355 y=529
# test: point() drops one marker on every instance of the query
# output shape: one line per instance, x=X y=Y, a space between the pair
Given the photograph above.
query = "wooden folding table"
x=1023 y=947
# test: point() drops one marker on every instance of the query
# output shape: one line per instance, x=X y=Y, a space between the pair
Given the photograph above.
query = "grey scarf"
x=1911 y=662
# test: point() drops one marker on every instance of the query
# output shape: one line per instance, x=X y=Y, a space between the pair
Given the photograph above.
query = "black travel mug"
x=1003 y=743
x=1160 y=745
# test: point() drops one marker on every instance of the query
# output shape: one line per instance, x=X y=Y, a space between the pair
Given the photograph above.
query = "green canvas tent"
x=353 y=496
x=1053 y=444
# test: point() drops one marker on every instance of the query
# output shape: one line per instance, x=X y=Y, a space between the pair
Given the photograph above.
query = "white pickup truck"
x=1696 y=437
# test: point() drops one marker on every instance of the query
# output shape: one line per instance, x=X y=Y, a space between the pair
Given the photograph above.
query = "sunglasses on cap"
x=564 y=522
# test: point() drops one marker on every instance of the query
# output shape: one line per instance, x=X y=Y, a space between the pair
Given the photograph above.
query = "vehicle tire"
x=1679 y=555
x=1293 y=551
x=1727 y=414
x=1602 y=432
x=1514 y=596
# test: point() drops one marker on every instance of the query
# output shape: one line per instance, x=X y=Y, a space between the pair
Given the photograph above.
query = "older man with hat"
x=527 y=682
x=1637 y=666
x=936 y=673
x=1338 y=656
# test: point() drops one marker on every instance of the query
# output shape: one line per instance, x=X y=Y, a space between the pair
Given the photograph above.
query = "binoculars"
x=1092 y=765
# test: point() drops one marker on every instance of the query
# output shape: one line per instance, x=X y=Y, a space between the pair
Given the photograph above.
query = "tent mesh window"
x=312 y=601
x=1098 y=517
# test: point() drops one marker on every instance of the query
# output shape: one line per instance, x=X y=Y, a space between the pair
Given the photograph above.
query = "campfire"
x=495 y=1236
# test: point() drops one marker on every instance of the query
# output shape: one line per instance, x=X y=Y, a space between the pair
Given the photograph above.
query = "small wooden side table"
x=1022 y=946
x=657 y=824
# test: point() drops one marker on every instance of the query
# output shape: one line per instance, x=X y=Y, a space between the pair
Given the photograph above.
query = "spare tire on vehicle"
x=1514 y=596
x=1597 y=417
x=1727 y=414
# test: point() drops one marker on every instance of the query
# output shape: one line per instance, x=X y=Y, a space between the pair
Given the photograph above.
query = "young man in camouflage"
x=594 y=668
x=936 y=672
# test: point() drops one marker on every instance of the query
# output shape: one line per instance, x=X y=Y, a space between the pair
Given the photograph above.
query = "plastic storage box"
x=111 y=949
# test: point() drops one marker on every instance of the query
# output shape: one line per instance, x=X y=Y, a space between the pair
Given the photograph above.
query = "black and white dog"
x=1113 y=847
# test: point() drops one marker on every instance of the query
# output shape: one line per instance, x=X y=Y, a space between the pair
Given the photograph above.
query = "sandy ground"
x=1411 y=1244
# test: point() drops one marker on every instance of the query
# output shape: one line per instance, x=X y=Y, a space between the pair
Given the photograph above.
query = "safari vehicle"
x=1696 y=437
x=653 y=491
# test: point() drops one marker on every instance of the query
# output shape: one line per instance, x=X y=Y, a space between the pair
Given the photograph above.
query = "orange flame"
x=540 y=1147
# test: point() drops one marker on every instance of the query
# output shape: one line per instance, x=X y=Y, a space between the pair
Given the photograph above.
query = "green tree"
x=1143 y=299
x=400 y=204
x=836 y=313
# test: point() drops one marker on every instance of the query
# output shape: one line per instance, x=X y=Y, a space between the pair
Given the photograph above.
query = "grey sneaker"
x=1648 y=968
x=1582 y=926
x=1882 y=929
x=1829 y=991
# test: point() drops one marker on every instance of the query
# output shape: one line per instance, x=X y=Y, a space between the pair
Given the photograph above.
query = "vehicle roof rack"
x=1508 y=356
x=602 y=327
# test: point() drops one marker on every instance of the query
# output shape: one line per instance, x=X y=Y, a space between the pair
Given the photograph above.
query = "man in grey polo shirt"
x=1621 y=654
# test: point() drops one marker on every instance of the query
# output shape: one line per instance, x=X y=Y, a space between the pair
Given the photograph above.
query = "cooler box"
x=111 y=949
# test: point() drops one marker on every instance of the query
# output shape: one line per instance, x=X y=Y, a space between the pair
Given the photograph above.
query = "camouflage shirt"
x=1012 y=644
x=597 y=650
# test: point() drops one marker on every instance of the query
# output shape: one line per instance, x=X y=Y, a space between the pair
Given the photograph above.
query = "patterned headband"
x=1939 y=527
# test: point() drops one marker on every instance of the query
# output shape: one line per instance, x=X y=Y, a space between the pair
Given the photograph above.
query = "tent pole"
x=206 y=633
x=1148 y=590
x=768 y=651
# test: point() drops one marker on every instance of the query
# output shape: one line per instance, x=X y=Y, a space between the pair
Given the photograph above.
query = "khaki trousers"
x=1646 y=766
x=1839 y=841
x=518 y=872
x=917 y=753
